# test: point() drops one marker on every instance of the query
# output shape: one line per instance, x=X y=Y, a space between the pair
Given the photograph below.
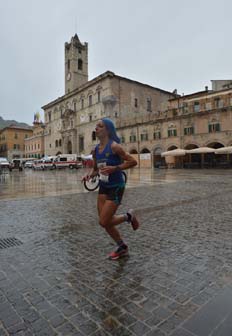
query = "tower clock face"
x=68 y=76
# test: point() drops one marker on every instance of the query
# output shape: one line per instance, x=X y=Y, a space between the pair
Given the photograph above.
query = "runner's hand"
x=107 y=170
x=85 y=178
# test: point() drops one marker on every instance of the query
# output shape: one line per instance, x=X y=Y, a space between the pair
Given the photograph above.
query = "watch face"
x=69 y=76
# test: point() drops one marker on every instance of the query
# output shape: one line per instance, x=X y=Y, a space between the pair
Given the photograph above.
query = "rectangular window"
x=196 y=107
x=218 y=103
x=208 y=106
x=94 y=136
x=144 y=137
x=16 y=136
x=132 y=138
x=148 y=104
x=122 y=139
x=75 y=106
x=214 y=128
x=81 y=144
x=188 y=130
x=185 y=107
x=98 y=96
x=90 y=100
x=136 y=102
x=82 y=103
x=90 y=117
x=172 y=132
x=157 y=135
x=49 y=116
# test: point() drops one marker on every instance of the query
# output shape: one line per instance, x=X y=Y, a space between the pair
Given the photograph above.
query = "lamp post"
x=138 y=143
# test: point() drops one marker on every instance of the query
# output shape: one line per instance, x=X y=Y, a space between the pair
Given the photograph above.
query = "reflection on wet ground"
x=31 y=183
x=177 y=280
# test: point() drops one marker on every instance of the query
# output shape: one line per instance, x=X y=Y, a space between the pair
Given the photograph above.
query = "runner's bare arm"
x=94 y=170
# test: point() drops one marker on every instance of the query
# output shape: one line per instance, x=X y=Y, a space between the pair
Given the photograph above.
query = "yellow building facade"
x=12 y=141
x=34 y=145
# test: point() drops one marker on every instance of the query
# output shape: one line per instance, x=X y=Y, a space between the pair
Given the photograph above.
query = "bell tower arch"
x=76 y=64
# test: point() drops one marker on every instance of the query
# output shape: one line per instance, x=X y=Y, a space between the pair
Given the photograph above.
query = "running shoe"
x=134 y=220
x=121 y=251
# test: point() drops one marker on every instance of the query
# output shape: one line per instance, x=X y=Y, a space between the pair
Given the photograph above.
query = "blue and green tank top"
x=108 y=158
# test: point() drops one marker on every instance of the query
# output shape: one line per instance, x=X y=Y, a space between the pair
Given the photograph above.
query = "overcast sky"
x=179 y=44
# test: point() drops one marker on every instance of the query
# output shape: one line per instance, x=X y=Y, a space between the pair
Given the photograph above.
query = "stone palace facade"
x=149 y=120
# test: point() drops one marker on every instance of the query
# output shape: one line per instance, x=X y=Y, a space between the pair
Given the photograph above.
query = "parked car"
x=17 y=164
x=28 y=164
x=4 y=164
x=37 y=164
x=47 y=163
x=43 y=164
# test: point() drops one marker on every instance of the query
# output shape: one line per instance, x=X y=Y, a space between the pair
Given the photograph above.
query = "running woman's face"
x=101 y=130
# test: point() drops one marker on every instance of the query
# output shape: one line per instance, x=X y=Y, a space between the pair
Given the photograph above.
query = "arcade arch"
x=158 y=160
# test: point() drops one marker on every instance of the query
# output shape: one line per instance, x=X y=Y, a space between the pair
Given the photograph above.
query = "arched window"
x=80 y=64
x=93 y=136
x=90 y=100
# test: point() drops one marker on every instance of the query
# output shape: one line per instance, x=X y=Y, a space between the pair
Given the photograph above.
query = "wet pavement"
x=58 y=281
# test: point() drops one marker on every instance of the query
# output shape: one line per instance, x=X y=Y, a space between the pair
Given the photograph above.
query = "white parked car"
x=28 y=164
x=43 y=164
x=4 y=164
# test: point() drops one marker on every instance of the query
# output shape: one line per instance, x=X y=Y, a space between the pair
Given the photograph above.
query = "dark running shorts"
x=113 y=194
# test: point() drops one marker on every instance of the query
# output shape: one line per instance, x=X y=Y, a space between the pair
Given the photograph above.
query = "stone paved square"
x=177 y=280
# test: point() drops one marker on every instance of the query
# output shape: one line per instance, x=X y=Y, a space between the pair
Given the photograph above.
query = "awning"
x=174 y=152
x=224 y=150
x=201 y=150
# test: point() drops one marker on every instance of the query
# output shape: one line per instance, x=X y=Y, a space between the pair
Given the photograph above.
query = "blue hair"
x=111 y=129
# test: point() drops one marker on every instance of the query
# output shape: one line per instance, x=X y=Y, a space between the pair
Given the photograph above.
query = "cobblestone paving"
x=60 y=282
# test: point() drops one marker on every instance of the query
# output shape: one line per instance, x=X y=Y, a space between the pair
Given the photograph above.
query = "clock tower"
x=76 y=64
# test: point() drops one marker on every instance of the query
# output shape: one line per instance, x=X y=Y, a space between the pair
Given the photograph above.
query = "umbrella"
x=223 y=150
x=201 y=150
x=174 y=152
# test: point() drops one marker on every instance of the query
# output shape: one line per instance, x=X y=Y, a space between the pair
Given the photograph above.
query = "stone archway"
x=191 y=160
x=133 y=151
x=158 y=160
x=145 y=158
x=144 y=151
x=216 y=161
x=172 y=147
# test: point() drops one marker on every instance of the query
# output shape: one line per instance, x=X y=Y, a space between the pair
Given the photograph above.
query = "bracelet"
x=117 y=168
